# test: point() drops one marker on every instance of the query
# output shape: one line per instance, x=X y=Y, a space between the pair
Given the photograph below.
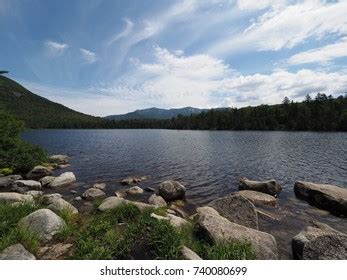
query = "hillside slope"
x=39 y=112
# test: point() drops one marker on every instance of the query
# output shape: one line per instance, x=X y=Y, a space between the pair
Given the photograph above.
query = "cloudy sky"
x=106 y=57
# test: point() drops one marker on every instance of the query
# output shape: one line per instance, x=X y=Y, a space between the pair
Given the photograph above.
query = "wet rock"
x=61 y=205
x=28 y=184
x=62 y=166
x=63 y=180
x=100 y=186
x=35 y=194
x=59 y=159
x=111 y=203
x=11 y=197
x=45 y=181
x=270 y=187
x=177 y=221
x=57 y=251
x=236 y=209
x=16 y=252
x=38 y=172
x=92 y=194
x=7 y=181
x=327 y=197
x=320 y=242
x=258 y=197
x=171 y=190
x=219 y=228
x=189 y=254
x=157 y=200
x=134 y=190
x=43 y=222
x=133 y=180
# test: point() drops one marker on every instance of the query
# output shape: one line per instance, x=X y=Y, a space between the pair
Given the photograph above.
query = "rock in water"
x=219 y=228
x=16 y=252
x=9 y=180
x=258 y=197
x=63 y=180
x=327 y=197
x=10 y=197
x=134 y=190
x=111 y=203
x=157 y=200
x=100 y=186
x=59 y=159
x=38 y=172
x=43 y=222
x=320 y=242
x=270 y=187
x=171 y=190
x=93 y=193
x=237 y=209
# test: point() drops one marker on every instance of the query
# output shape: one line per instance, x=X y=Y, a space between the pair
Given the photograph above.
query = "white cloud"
x=88 y=56
x=288 y=26
x=55 y=48
x=258 y=5
x=321 y=55
x=124 y=33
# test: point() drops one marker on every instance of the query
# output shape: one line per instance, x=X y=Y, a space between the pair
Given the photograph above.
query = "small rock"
x=134 y=190
x=170 y=211
x=157 y=200
x=77 y=198
x=45 y=181
x=61 y=205
x=189 y=254
x=140 y=205
x=59 y=159
x=270 y=187
x=171 y=190
x=120 y=194
x=17 y=189
x=258 y=197
x=57 y=251
x=7 y=181
x=35 y=194
x=177 y=221
x=16 y=252
x=100 y=186
x=30 y=184
x=178 y=211
x=73 y=191
x=158 y=217
x=63 y=180
x=92 y=194
x=38 y=172
x=111 y=203
x=10 y=197
x=50 y=198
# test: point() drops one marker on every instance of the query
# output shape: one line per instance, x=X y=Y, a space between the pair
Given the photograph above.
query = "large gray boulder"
x=111 y=203
x=59 y=159
x=157 y=200
x=63 y=180
x=9 y=180
x=38 y=172
x=171 y=190
x=327 y=197
x=11 y=197
x=258 y=197
x=93 y=193
x=236 y=209
x=27 y=184
x=16 y=252
x=44 y=223
x=270 y=187
x=218 y=228
x=320 y=242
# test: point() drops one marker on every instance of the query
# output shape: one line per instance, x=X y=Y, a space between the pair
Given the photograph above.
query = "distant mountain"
x=39 y=112
x=156 y=113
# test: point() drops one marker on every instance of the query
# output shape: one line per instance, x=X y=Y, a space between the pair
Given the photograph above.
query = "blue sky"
x=104 y=57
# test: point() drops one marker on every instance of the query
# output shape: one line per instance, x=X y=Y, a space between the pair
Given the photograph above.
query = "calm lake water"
x=209 y=163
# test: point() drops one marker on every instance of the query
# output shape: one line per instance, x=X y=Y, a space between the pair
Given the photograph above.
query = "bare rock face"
x=28 y=184
x=59 y=159
x=219 y=228
x=93 y=193
x=38 y=172
x=258 y=197
x=134 y=190
x=43 y=222
x=63 y=180
x=171 y=190
x=157 y=200
x=236 y=209
x=189 y=254
x=327 y=197
x=111 y=203
x=7 y=181
x=11 y=197
x=270 y=187
x=16 y=252
x=320 y=242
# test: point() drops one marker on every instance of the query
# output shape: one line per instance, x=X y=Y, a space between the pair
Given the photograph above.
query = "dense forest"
x=317 y=113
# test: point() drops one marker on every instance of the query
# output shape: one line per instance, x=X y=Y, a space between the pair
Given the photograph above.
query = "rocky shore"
x=233 y=222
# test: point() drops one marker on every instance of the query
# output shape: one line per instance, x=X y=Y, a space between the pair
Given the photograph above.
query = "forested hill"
x=39 y=112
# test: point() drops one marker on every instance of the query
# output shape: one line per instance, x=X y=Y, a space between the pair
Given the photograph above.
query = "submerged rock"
x=134 y=190
x=16 y=252
x=11 y=197
x=237 y=209
x=111 y=203
x=133 y=180
x=43 y=222
x=63 y=180
x=270 y=187
x=93 y=193
x=7 y=181
x=258 y=197
x=59 y=159
x=38 y=172
x=320 y=242
x=157 y=200
x=100 y=186
x=171 y=190
x=327 y=197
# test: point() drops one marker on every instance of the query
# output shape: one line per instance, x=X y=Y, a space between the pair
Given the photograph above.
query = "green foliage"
x=15 y=154
x=6 y=171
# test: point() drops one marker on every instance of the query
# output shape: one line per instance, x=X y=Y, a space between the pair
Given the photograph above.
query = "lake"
x=209 y=164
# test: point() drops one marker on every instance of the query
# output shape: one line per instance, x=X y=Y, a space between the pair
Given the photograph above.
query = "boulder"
x=63 y=180
x=57 y=251
x=61 y=205
x=218 y=228
x=110 y=203
x=7 y=181
x=259 y=198
x=157 y=200
x=134 y=190
x=38 y=172
x=28 y=184
x=10 y=197
x=140 y=205
x=320 y=242
x=45 y=181
x=50 y=198
x=44 y=223
x=206 y=210
x=100 y=186
x=35 y=194
x=171 y=190
x=16 y=252
x=176 y=221
x=270 y=187
x=236 y=209
x=189 y=254
x=92 y=194
x=326 y=197
x=59 y=159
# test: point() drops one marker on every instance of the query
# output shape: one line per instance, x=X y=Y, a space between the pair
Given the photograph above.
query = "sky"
x=104 y=57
